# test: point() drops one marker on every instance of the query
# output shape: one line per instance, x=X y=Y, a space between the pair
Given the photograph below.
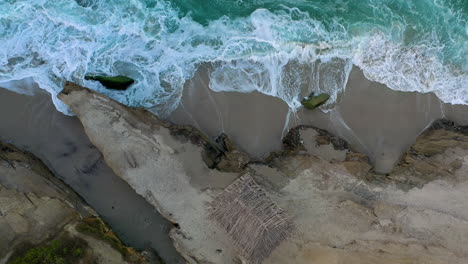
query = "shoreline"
x=374 y=119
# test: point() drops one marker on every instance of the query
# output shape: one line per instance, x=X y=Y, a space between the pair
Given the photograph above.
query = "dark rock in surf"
x=119 y=82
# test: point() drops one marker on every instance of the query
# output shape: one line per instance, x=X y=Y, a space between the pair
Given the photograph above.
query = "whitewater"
x=286 y=49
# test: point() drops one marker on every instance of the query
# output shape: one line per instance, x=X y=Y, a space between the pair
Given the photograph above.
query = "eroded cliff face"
x=38 y=212
x=341 y=210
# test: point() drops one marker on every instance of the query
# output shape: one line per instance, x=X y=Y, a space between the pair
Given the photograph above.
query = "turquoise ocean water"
x=279 y=48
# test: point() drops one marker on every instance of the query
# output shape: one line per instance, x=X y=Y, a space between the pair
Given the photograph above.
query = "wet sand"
x=31 y=122
x=374 y=119
x=253 y=120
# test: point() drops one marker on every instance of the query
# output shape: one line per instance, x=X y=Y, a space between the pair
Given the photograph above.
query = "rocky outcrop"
x=39 y=216
x=341 y=210
x=230 y=158
x=438 y=153
x=164 y=164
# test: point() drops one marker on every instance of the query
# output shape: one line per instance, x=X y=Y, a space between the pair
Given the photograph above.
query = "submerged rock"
x=113 y=82
x=312 y=101
x=341 y=210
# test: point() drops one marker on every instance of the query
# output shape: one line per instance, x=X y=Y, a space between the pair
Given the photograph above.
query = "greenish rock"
x=312 y=102
x=59 y=251
x=113 y=82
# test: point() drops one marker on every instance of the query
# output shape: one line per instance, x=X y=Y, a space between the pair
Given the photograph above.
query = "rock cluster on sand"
x=40 y=217
x=342 y=211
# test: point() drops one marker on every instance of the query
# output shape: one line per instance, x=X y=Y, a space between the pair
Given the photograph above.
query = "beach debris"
x=254 y=222
x=118 y=82
x=312 y=101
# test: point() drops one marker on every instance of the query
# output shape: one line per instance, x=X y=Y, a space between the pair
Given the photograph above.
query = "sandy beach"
x=374 y=119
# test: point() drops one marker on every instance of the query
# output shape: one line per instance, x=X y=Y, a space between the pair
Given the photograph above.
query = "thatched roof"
x=255 y=223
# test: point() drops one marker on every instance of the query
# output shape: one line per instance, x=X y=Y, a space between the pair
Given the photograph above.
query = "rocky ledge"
x=317 y=201
x=43 y=220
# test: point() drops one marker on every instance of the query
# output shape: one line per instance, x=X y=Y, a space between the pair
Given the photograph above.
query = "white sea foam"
x=273 y=53
x=410 y=69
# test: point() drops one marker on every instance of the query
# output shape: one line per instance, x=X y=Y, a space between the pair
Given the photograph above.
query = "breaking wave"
x=286 y=49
